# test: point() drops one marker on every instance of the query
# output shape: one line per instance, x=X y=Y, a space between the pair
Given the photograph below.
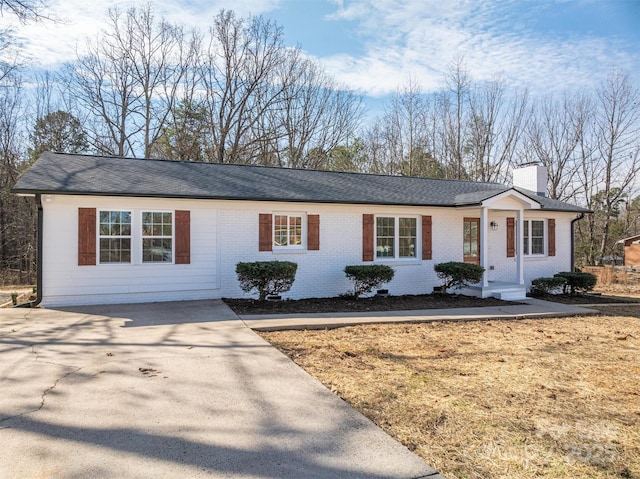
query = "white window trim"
x=396 y=240
x=289 y=248
x=136 y=237
x=99 y=237
x=545 y=236
x=142 y=237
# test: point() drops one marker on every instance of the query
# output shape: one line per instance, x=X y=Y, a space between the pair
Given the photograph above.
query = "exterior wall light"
x=494 y=225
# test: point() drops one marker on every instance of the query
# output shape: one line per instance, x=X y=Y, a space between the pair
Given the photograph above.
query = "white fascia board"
x=527 y=202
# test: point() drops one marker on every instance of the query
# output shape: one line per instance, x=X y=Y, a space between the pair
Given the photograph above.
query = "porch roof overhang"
x=510 y=199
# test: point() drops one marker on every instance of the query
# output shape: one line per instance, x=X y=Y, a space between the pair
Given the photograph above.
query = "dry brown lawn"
x=553 y=398
x=622 y=290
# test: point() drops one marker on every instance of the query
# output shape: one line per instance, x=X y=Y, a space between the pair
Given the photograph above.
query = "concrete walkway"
x=172 y=390
x=188 y=390
x=531 y=308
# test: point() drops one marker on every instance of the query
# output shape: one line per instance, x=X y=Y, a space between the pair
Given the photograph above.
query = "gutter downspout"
x=36 y=302
x=573 y=244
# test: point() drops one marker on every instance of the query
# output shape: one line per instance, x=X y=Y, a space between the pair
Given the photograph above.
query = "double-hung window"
x=287 y=230
x=157 y=237
x=533 y=236
x=396 y=237
x=115 y=236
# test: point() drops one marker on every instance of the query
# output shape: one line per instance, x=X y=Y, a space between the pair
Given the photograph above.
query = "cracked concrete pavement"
x=172 y=390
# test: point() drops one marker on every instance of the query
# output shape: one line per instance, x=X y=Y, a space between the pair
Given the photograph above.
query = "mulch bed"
x=348 y=304
x=588 y=298
x=400 y=303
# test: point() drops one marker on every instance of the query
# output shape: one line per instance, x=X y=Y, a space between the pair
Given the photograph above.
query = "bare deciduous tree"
x=402 y=141
x=617 y=143
x=405 y=133
x=237 y=75
x=316 y=115
x=24 y=10
x=128 y=81
x=553 y=138
x=17 y=224
x=495 y=127
x=453 y=109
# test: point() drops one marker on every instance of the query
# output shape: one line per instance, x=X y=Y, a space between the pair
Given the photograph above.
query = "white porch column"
x=484 y=245
x=520 y=246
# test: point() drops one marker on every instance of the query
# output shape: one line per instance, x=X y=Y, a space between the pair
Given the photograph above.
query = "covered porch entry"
x=493 y=239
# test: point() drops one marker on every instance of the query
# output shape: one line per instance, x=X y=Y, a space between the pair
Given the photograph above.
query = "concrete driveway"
x=172 y=390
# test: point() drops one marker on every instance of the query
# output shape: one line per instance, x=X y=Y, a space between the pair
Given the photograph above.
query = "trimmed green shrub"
x=367 y=277
x=267 y=277
x=542 y=286
x=457 y=275
x=578 y=282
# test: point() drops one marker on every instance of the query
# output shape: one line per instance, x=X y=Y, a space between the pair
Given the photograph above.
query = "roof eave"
x=32 y=192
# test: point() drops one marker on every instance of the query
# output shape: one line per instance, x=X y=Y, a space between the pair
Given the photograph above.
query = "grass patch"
x=552 y=398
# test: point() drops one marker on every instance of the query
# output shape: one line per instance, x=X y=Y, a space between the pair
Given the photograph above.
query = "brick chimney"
x=532 y=178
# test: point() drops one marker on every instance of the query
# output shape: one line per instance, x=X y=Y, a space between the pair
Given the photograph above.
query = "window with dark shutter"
x=533 y=236
x=511 y=237
x=426 y=238
x=313 y=232
x=367 y=237
x=265 y=242
x=183 y=237
x=86 y=236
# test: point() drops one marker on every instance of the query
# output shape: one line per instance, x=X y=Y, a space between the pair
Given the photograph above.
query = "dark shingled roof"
x=57 y=173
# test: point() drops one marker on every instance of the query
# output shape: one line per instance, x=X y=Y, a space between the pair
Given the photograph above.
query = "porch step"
x=498 y=289
x=507 y=292
x=510 y=295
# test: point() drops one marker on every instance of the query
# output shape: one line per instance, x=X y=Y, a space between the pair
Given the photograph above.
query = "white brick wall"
x=536 y=267
x=504 y=269
x=224 y=233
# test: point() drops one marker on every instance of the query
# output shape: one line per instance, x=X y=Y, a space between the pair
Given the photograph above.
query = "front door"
x=471 y=234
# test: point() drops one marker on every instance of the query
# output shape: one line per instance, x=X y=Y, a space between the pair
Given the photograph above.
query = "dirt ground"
x=23 y=291
x=552 y=398
x=631 y=290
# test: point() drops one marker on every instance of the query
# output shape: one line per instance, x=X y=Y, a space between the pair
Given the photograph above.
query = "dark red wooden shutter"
x=183 y=237
x=552 y=236
x=367 y=237
x=265 y=242
x=426 y=238
x=313 y=232
x=86 y=236
x=511 y=237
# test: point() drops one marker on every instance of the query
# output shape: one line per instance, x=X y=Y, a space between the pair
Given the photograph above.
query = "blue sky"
x=375 y=46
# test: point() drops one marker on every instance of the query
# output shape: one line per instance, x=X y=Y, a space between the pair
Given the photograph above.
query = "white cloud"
x=422 y=38
x=47 y=44
x=397 y=39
